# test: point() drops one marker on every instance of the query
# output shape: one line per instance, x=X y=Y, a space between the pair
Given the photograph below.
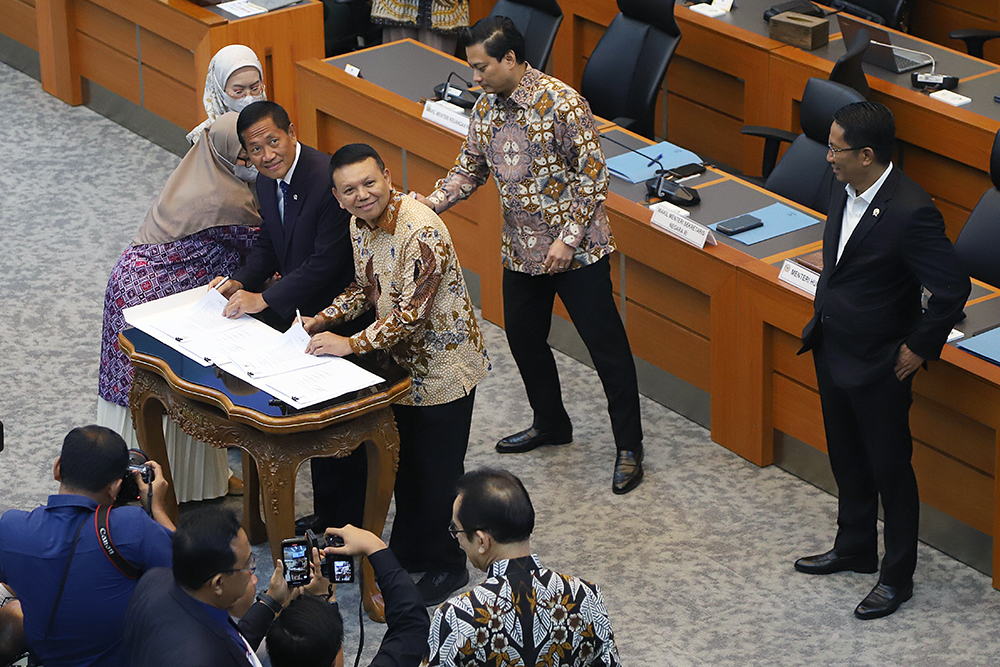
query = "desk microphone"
x=661 y=185
x=444 y=92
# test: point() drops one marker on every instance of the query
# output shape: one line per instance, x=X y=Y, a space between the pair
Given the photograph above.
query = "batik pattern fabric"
x=542 y=146
x=148 y=272
x=439 y=15
x=406 y=268
x=524 y=615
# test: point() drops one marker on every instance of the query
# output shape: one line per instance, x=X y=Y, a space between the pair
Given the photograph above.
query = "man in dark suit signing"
x=884 y=238
x=304 y=237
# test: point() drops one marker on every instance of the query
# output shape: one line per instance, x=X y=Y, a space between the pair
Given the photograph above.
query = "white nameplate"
x=352 y=70
x=447 y=115
x=685 y=229
x=671 y=208
x=724 y=5
x=708 y=10
x=799 y=276
x=951 y=97
x=241 y=8
x=955 y=335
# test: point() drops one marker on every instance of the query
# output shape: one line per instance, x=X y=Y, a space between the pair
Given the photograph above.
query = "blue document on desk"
x=778 y=219
x=985 y=345
x=635 y=166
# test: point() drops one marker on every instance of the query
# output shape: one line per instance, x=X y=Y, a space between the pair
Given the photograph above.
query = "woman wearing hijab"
x=235 y=81
x=200 y=226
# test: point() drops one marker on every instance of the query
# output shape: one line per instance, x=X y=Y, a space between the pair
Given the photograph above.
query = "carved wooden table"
x=221 y=410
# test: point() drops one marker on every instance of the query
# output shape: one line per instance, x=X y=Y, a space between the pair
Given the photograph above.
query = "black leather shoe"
x=531 y=438
x=313 y=522
x=831 y=562
x=436 y=586
x=628 y=471
x=883 y=600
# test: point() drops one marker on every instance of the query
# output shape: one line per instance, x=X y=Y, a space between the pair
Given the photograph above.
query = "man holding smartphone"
x=310 y=630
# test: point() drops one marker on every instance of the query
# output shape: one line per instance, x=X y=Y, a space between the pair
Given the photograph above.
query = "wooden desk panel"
x=156 y=54
x=934 y=19
x=19 y=22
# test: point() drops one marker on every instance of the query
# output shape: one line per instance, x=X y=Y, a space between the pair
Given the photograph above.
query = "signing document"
x=192 y=323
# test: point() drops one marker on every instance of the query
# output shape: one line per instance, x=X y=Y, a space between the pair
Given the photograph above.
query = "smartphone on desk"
x=739 y=224
x=686 y=171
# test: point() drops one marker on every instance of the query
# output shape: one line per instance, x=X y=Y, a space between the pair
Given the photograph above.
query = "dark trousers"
x=586 y=293
x=868 y=439
x=339 y=484
x=432 y=444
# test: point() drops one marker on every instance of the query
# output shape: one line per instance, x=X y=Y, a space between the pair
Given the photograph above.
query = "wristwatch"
x=269 y=602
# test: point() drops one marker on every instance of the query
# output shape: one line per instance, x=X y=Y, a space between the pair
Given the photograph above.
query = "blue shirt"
x=90 y=623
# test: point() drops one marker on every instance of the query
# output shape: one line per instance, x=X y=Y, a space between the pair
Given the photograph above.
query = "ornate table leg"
x=253 y=524
x=147 y=401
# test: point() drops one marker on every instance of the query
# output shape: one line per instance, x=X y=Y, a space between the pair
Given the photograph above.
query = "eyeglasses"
x=250 y=90
x=251 y=566
x=454 y=530
x=839 y=150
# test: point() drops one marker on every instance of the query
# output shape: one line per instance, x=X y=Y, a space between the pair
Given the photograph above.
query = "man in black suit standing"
x=884 y=238
x=304 y=237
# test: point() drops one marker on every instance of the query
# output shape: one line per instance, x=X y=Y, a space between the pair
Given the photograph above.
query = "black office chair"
x=849 y=70
x=347 y=26
x=892 y=13
x=624 y=73
x=978 y=244
x=974 y=39
x=538 y=21
x=804 y=175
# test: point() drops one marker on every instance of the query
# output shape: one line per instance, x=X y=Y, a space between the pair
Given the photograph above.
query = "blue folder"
x=635 y=166
x=778 y=219
x=985 y=345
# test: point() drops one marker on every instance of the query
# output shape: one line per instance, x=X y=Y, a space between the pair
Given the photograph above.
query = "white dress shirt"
x=855 y=208
x=287 y=178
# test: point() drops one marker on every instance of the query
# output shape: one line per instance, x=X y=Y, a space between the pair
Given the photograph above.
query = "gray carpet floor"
x=695 y=565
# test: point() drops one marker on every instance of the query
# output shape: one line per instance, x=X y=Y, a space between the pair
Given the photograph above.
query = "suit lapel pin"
x=875 y=213
x=296 y=198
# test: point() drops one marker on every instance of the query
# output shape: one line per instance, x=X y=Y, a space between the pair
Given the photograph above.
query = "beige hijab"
x=202 y=192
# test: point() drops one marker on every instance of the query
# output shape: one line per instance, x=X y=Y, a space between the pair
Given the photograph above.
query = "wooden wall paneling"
x=953 y=433
x=101 y=25
x=797 y=412
x=107 y=67
x=957 y=490
x=934 y=19
x=171 y=99
x=669 y=346
x=20 y=22
x=57 y=50
x=168 y=58
x=668 y=297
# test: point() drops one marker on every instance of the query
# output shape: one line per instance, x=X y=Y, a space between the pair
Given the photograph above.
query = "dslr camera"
x=337 y=570
x=137 y=462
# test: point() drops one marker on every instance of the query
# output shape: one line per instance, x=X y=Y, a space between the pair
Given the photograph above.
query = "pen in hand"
x=218 y=288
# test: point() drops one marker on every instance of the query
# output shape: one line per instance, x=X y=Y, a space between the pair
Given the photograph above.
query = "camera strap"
x=102 y=526
x=62 y=584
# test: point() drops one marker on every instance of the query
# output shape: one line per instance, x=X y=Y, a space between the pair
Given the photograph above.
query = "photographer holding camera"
x=74 y=562
x=310 y=631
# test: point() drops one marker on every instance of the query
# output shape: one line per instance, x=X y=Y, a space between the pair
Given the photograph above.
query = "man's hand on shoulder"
x=907 y=363
x=244 y=302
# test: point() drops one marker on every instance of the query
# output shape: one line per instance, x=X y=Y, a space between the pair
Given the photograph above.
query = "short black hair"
x=868 y=125
x=307 y=633
x=495 y=502
x=353 y=154
x=257 y=112
x=202 y=545
x=92 y=457
x=498 y=35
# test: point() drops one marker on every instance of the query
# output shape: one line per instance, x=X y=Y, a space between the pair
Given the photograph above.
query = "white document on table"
x=287 y=353
x=220 y=348
x=309 y=386
x=203 y=318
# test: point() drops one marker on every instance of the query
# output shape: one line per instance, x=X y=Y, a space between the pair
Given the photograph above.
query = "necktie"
x=284 y=199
